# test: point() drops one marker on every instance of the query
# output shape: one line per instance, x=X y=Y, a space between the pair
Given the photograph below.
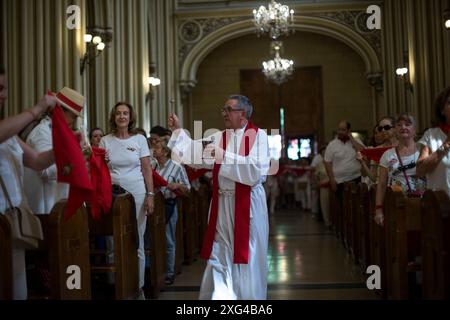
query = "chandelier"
x=278 y=69
x=276 y=20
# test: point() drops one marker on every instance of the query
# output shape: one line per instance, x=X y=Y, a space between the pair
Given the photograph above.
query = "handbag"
x=410 y=193
x=26 y=228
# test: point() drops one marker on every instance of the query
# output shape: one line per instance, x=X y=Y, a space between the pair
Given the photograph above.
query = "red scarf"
x=375 y=154
x=344 y=139
x=445 y=128
x=70 y=163
x=241 y=206
x=101 y=183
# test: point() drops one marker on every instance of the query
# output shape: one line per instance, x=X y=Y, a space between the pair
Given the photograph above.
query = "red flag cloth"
x=194 y=174
x=71 y=167
x=374 y=154
x=445 y=128
x=159 y=182
x=241 y=207
x=101 y=183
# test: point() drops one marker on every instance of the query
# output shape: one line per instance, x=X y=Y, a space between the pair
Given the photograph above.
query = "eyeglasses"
x=229 y=109
x=385 y=128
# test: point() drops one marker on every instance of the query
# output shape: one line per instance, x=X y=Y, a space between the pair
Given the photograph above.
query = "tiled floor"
x=305 y=262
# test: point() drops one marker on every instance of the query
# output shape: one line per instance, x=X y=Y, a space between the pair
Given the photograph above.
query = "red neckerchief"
x=241 y=207
x=444 y=127
x=344 y=140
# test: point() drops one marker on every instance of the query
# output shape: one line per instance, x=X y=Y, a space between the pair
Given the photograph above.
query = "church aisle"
x=306 y=261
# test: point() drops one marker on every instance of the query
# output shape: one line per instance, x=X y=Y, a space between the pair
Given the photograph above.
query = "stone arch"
x=303 y=23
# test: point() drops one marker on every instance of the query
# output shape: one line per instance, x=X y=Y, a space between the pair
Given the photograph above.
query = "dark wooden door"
x=301 y=98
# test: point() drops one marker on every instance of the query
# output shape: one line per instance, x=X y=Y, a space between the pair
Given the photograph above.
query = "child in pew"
x=14 y=155
x=398 y=166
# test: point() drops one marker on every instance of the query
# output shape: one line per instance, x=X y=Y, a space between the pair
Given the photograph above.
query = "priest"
x=236 y=239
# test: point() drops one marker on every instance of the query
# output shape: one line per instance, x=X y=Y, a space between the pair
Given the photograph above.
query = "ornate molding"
x=376 y=80
x=355 y=20
x=192 y=31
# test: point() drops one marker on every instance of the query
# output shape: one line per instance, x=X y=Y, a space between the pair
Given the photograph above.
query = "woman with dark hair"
x=128 y=159
x=434 y=161
x=95 y=135
x=383 y=136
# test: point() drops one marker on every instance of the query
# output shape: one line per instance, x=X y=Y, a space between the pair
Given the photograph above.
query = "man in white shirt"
x=340 y=159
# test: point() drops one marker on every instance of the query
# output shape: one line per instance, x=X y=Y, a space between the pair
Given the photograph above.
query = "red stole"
x=445 y=128
x=241 y=206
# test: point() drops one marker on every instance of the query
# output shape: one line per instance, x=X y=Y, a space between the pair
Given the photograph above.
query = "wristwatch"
x=149 y=194
x=442 y=150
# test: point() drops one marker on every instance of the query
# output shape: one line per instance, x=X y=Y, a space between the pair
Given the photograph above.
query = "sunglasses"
x=385 y=128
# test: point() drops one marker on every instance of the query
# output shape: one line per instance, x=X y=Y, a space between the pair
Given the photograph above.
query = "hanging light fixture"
x=278 y=69
x=275 y=20
x=447 y=18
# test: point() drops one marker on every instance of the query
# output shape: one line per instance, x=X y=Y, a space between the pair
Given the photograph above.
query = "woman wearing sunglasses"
x=398 y=165
x=384 y=136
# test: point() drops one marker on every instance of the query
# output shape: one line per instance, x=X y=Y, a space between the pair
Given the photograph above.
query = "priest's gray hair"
x=243 y=103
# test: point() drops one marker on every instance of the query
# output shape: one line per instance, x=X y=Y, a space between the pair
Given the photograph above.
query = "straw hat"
x=71 y=100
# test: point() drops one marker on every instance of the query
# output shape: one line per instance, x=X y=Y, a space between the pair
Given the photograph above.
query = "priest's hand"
x=173 y=122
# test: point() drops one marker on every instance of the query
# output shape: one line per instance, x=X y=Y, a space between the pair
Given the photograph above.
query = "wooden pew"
x=157 y=250
x=6 y=271
x=66 y=243
x=436 y=245
x=377 y=245
x=402 y=238
x=190 y=232
x=364 y=216
x=121 y=224
x=355 y=224
x=347 y=219
x=180 y=237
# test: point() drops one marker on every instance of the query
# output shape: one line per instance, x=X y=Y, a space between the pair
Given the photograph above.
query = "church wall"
x=346 y=91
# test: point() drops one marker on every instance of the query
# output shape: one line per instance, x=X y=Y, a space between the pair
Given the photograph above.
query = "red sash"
x=445 y=128
x=241 y=207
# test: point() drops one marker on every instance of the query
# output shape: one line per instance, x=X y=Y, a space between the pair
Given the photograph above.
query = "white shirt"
x=11 y=164
x=125 y=161
x=41 y=188
x=343 y=159
x=439 y=178
x=390 y=161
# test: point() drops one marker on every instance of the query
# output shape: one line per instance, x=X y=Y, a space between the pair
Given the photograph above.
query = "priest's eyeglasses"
x=228 y=109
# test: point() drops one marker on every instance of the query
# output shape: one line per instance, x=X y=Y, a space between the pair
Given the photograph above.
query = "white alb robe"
x=222 y=279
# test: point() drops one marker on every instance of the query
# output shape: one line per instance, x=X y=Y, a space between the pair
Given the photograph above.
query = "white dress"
x=125 y=168
x=41 y=188
x=222 y=279
x=11 y=170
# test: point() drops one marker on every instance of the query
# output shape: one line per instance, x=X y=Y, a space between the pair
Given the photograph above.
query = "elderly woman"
x=128 y=159
x=176 y=176
x=434 y=161
x=398 y=165
x=14 y=154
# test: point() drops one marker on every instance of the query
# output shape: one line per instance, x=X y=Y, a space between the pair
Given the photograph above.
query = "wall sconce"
x=95 y=44
x=447 y=18
x=153 y=82
x=402 y=72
